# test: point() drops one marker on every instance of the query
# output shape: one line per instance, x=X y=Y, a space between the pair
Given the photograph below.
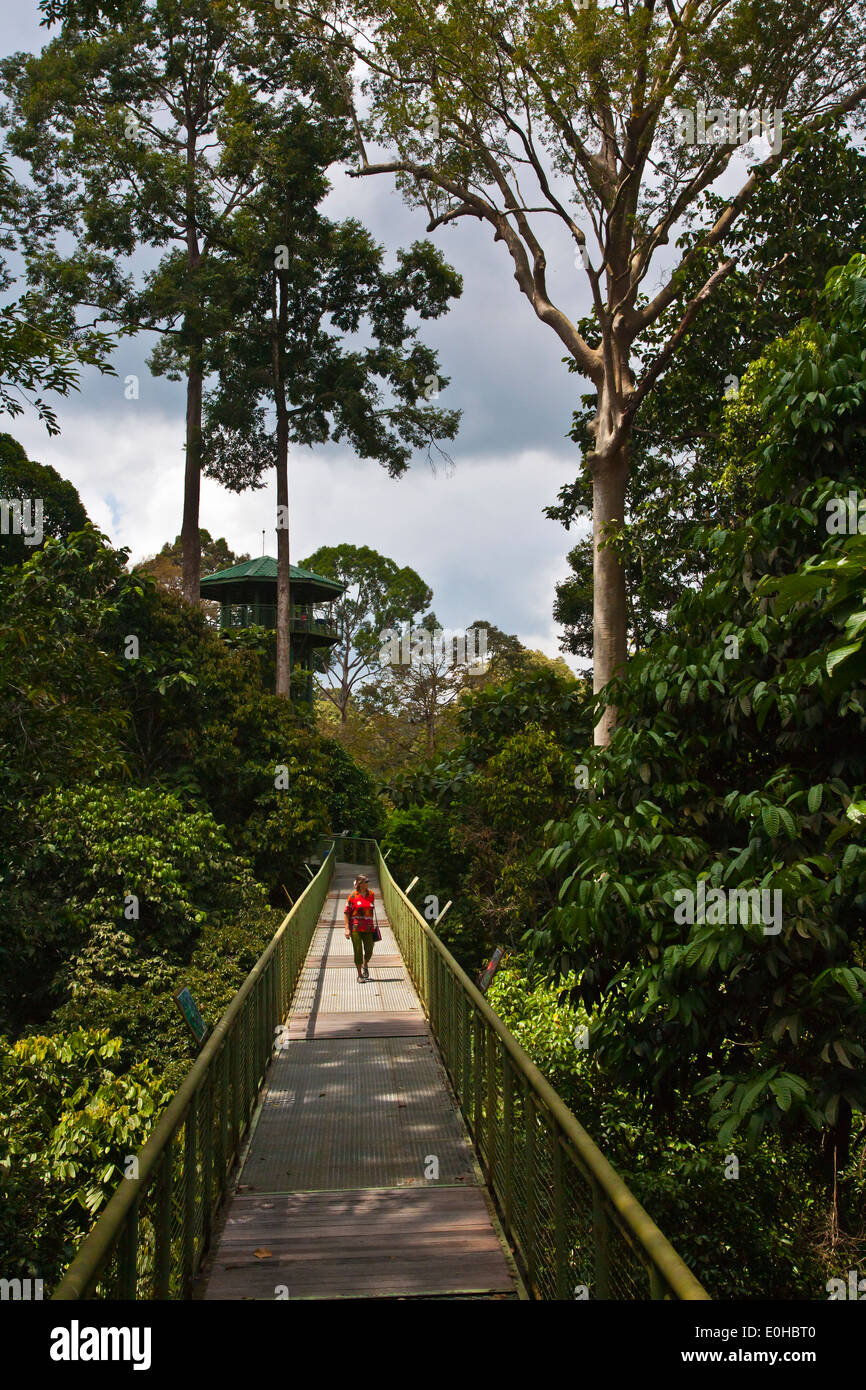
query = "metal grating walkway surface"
x=359 y=1178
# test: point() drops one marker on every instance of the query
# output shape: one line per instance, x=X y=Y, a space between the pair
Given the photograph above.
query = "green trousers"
x=362 y=946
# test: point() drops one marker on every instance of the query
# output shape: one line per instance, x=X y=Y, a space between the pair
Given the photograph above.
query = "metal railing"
x=150 y=1240
x=353 y=849
x=302 y=618
x=574 y=1226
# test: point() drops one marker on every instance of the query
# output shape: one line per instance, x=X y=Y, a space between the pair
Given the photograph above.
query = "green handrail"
x=152 y=1236
x=574 y=1225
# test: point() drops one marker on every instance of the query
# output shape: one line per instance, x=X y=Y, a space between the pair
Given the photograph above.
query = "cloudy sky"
x=475 y=533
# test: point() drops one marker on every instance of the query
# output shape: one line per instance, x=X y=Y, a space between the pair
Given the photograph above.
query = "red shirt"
x=361 y=911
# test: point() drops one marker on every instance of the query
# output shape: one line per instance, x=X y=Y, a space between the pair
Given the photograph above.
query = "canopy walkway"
x=389 y=1140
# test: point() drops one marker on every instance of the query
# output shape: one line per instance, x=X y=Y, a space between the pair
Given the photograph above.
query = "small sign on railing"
x=191 y=1015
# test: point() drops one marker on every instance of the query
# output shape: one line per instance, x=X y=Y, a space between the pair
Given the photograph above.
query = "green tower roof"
x=264 y=567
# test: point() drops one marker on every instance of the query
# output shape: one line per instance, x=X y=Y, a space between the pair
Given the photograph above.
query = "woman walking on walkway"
x=358 y=913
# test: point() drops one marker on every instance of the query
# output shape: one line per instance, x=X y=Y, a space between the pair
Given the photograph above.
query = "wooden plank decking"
x=359 y=1179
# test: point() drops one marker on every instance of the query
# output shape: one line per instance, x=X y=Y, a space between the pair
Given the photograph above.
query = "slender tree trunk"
x=284 y=626
x=432 y=695
x=608 y=465
x=345 y=692
x=190 y=542
x=284 y=602
x=609 y=616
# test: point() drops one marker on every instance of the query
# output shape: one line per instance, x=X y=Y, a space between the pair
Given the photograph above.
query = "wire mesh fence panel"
x=629 y=1276
x=544 y=1208
x=584 y=1241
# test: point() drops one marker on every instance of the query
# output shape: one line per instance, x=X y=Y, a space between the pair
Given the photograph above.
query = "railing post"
x=264 y=1022
x=248 y=1037
x=426 y=955
x=432 y=1001
x=258 y=999
x=437 y=995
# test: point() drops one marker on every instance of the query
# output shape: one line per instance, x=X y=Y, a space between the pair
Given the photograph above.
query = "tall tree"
x=142 y=113
x=379 y=594
x=601 y=125
x=425 y=681
x=307 y=293
x=679 y=476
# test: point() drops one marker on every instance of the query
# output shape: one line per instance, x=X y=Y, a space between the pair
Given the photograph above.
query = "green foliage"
x=749 y=1236
x=540 y=695
x=738 y=760
x=138 y=1007
x=166 y=565
x=107 y=888
x=141 y=842
x=69 y=1118
x=352 y=799
x=518 y=784
x=420 y=843
x=60 y=665
x=20 y=478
